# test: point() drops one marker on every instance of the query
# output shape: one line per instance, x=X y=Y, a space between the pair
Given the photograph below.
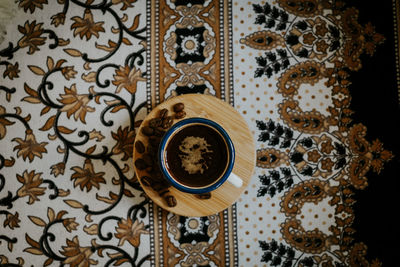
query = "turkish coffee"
x=196 y=155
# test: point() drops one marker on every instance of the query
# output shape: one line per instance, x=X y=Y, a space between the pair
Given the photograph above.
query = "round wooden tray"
x=210 y=107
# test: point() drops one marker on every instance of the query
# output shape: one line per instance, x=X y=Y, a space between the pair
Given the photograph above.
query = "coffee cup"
x=197 y=156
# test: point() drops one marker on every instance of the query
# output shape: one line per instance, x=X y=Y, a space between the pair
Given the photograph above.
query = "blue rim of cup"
x=231 y=155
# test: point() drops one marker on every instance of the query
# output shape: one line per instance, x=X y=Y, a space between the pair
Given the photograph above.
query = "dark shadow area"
x=375 y=104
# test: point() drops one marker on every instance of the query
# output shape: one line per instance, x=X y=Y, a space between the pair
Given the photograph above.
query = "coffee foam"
x=193 y=149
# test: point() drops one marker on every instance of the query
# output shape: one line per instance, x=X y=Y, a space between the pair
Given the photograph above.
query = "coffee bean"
x=152 y=150
x=163 y=191
x=146 y=130
x=147 y=181
x=180 y=115
x=140 y=164
x=155 y=122
x=178 y=107
x=163 y=113
x=148 y=160
x=155 y=140
x=158 y=186
x=155 y=129
x=204 y=195
x=159 y=131
x=139 y=146
x=167 y=122
x=158 y=176
x=171 y=201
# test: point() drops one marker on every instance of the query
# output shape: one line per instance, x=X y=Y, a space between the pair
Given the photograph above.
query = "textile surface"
x=316 y=81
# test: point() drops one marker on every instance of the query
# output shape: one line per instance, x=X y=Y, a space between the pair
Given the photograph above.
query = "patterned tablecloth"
x=78 y=77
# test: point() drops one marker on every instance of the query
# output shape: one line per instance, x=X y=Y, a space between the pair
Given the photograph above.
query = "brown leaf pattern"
x=85 y=26
x=77 y=255
x=31 y=186
x=127 y=78
x=29 y=147
x=130 y=231
x=32 y=36
x=31 y=5
x=125 y=139
x=75 y=104
x=86 y=177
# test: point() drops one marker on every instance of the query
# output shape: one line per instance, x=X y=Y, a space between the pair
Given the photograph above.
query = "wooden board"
x=210 y=107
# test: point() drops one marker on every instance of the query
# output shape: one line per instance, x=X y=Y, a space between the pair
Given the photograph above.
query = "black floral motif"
x=186 y=2
x=272 y=63
x=275 y=134
x=322 y=38
x=196 y=233
x=190 y=45
x=33 y=37
x=194 y=89
x=326 y=155
x=280 y=255
x=275 y=181
x=271 y=16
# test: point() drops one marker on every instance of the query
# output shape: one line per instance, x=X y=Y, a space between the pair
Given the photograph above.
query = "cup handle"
x=235 y=180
